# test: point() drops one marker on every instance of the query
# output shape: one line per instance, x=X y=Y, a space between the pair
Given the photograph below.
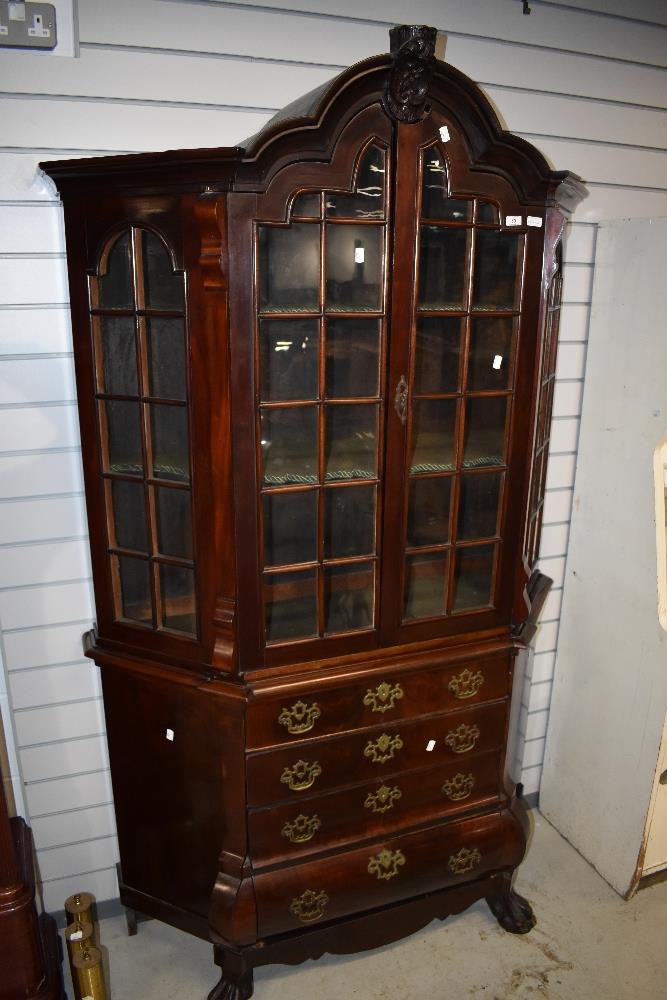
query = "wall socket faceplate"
x=27 y=25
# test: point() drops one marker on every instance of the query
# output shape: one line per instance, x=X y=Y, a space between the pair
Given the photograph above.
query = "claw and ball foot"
x=512 y=911
x=227 y=989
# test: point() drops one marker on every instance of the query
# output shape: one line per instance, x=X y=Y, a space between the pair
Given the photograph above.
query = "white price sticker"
x=170 y=735
x=534 y=220
x=358 y=255
x=76 y=936
x=497 y=361
x=430 y=745
x=513 y=220
x=444 y=133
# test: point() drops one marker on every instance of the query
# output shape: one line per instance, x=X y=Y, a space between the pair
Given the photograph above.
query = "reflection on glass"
x=436 y=203
x=290 y=528
x=425 y=585
x=479 y=506
x=116 y=284
x=367 y=202
x=171 y=450
x=349 y=521
x=289 y=445
x=473 y=577
x=353 y=355
x=433 y=443
x=485 y=431
x=348 y=597
x=289 y=355
x=163 y=289
x=490 y=352
x=124 y=437
x=177 y=587
x=428 y=511
x=306 y=205
x=129 y=515
x=442 y=261
x=166 y=357
x=486 y=213
x=289 y=268
x=135 y=589
x=174 y=522
x=496 y=283
x=437 y=354
x=351 y=442
x=119 y=356
x=354 y=256
x=290 y=605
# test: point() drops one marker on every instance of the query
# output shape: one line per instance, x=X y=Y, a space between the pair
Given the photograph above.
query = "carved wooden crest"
x=413 y=49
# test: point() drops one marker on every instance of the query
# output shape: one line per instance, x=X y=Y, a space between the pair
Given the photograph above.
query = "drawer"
x=386 y=871
x=288 y=773
x=319 y=822
x=380 y=697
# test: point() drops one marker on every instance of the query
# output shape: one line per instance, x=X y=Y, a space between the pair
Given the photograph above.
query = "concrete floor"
x=588 y=944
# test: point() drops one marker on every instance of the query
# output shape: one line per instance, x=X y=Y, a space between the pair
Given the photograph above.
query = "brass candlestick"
x=79 y=908
x=89 y=975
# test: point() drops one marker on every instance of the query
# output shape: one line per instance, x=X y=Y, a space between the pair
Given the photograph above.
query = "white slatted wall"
x=582 y=79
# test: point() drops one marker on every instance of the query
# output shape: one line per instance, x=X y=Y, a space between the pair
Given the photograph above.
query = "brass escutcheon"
x=459 y=787
x=383 y=748
x=301 y=775
x=385 y=865
x=466 y=684
x=301 y=829
x=384 y=697
x=466 y=859
x=309 y=906
x=300 y=718
x=462 y=739
x=383 y=800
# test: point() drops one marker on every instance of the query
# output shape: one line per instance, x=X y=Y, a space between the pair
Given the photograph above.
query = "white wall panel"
x=558 y=505
x=57 y=760
x=30 y=280
x=53 y=562
x=574 y=322
x=52 y=685
x=88 y=856
x=51 y=831
x=571 y=361
x=534 y=752
x=564 y=431
x=37 y=380
x=546 y=638
x=62 y=602
x=102 y=884
x=38 y=647
x=543 y=667
x=530 y=778
x=577 y=282
x=567 y=399
x=37 y=473
x=61 y=722
x=49 y=517
x=554 y=567
x=26 y=229
x=560 y=471
x=34 y=428
x=579 y=243
x=64 y=794
x=35 y=331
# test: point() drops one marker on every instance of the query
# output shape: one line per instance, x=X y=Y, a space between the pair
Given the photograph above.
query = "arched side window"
x=137 y=308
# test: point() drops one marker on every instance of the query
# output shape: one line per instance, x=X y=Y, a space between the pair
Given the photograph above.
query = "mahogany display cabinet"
x=315 y=375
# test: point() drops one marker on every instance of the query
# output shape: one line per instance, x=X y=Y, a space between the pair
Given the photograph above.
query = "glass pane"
x=289 y=356
x=485 y=432
x=428 y=511
x=496 y=282
x=351 y=442
x=124 y=437
x=119 y=356
x=436 y=203
x=486 y=213
x=162 y=288
x=437 y=354
x=353 y=356
x=354 y=257
x=174 y=522
x=171 y=451
x=289 y=445
x=306 y=205
x=433 y=443
x=129 y=515
x=135 y=589
x=478 y=506
x=442 y=264
x=349 y=522
x=290 y=606
x=348 y=597
x=473 y=575
x=425 y=585
x=289 y=268
x=368 y=201
x=177 y=588
x=166 y=357
x=116 y=285
x=490 y=352
x=290 y=528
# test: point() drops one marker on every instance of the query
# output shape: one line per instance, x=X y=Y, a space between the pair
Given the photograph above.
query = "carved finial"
x=413 y=47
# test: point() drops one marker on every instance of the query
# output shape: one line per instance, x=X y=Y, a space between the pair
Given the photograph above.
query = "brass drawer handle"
x=301 y=775
x=385 y=865
x=459 y=787
x=300 y=718
x=383 y=748
x=301 y=829
x=462 y=739
x=466 y=684
x=309 y=906
x=383 y=800
x=384 y=697
x=466 y=859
